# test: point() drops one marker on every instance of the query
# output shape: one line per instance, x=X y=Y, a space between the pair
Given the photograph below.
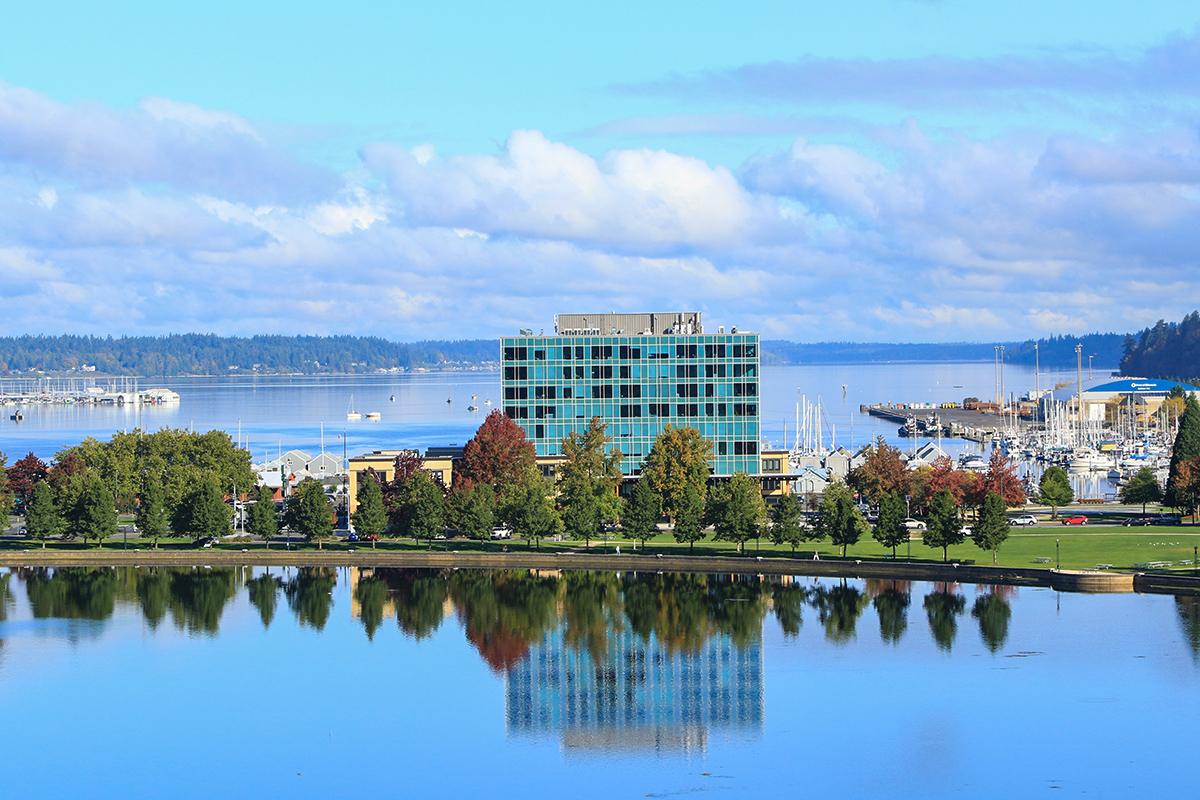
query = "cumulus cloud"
x=172 y=217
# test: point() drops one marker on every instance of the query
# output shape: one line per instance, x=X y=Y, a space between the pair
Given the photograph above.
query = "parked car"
x=352 y=537
x=23 y=532
x=501 y=533
x=914 y=524
x=967 y=531
x=1078 y=519
x=207 y=541
x=1166 y=519
x=1023 y=520
x=1135 y=521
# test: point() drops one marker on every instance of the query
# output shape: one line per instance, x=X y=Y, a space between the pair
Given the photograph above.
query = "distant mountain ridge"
x=209 y=354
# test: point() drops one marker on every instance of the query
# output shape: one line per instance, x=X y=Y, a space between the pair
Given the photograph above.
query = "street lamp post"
x=1057 y=560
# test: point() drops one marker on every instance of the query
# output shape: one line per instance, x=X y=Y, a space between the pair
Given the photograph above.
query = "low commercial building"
x=438 y=462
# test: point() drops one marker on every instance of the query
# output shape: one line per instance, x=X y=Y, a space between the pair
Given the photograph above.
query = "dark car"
x=1166 y=519
x=352 y=537
x=1135 y=521
x=1078 y=519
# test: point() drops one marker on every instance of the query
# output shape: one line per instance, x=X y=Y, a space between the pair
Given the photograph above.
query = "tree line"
x=1165 y=350
x=1055 y=351
x=209 y=354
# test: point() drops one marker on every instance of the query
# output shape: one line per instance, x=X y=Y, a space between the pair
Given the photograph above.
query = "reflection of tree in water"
x=153 y=588
x=264 y=595
x=1189 y=617
x=993 y=612
x=738 y=607
x=787 y=602
x=198 y=597
x=838 y=609
x=371 y=594
x=673 y=607
x=942 y=607
x=310 y=595
x=419 y=596
x=503 y=611
x=591 y=605
x=891 y=606
x=7 y=600
x=72 y=592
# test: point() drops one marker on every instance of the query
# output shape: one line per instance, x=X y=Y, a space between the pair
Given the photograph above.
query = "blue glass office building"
x=638 y=373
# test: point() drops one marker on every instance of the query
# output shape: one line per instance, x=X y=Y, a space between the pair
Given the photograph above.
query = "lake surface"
x=274 y=413
x=140 y=682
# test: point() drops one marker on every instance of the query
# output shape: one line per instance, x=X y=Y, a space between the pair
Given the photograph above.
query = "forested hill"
x=207 y=354
x=1167 y=350
x=1056 y=351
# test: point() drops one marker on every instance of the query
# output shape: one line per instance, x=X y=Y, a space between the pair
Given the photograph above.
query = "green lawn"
x=1080 y=548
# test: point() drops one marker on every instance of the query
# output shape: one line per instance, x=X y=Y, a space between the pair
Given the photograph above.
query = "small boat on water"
x=17 y=417
x=352 y=414
x=393 y=398
x=374 y=416
x=487 y=402
x=473 y=407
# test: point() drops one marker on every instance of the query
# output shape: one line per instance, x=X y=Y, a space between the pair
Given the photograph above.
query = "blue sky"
x=898 y=170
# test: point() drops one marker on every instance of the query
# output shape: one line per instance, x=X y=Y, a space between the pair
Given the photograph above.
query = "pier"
x=956 y=422
x=82 y=391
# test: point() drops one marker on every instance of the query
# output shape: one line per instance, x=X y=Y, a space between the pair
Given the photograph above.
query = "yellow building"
x=439 y=463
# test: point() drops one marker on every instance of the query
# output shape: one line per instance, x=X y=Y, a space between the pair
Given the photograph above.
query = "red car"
x=1078 y=519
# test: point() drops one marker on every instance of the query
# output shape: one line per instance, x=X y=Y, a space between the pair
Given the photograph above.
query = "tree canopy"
x=679 y=456
x=882 y=472
x=498 y=455
x=590 y=477
x=1054 y=489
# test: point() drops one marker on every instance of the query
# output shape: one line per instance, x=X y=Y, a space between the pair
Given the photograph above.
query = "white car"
x=914 y=524
x=1023 y=520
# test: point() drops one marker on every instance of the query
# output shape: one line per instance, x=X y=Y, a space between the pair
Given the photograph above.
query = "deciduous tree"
x=639 y=520
x=93 y=515
x=689 y=517
x=787 y=524
x=42 y=517
x=1142 y=488
x=943 y=528
x=839 y=518
x=473 y=511
x=890 y=530
x=424 y=507
x=497 y=455
x=882 y=472
x=527 y=509
x=680 y=456
x=24 y=475
x=736 y=510
x=152 y=521
x=1001 y=478
x=308 y=512
x=202 y=512
x=263 y=522
x=590 y=476
x=370 y=517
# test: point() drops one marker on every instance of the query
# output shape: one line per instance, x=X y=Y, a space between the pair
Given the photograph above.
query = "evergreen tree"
x=890 y=530
x=42 y=517
x=425 y=507
x=263 y=522
x=787 y=526
x=943 y=528
x=642 y=510
x=1187 y=447
x=839 y=518
x=689 y=517
x=1054 y=489
x=370 y=518
x=992 y=527
x=93 y=515
x=151 y=518
x=1142 y=488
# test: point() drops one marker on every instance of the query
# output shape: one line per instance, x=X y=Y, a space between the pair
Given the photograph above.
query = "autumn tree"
x=943 y=527
x=1186 y=486
x=944 y=475
x=991 y=529
x=1142 y=488
x=1001 y=478
x=1186 y=447
x=1054 y=489
x=639 y=520
x=497 y=455
x=736 y=510
x=890 y=530
x=590 y=477
x=679 y=456
x=23 y=476
x=882 y=472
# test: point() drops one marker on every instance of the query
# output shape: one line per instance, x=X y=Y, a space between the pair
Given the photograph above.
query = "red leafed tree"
x=405 y=465
x=1001 y=478
x=945 y=476
x=883 y=472
x=24 y=475
x=1185 y=484
x=498 y=455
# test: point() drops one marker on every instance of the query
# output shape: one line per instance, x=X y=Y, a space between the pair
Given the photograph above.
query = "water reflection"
x=943 y=607
x=892 y=599
x=838 y=609
x=71 y=592
x=1189 y=618
x=264 y=596
x=310 y=595
x=992 y=611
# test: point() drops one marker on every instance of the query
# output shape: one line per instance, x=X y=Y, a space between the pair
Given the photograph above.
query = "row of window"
x=629 y=353
x=723 y=448
x=631 y=390
x=666 y=372
x=639 y=410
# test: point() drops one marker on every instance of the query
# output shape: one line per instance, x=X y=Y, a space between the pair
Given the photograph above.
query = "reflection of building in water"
x=642 y=696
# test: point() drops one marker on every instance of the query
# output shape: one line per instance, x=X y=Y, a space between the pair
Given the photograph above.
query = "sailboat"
x=352 y=414
x=473 y=407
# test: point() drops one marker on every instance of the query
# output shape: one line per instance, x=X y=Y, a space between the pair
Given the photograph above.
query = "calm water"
x=274 y=413
x=388 y=683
